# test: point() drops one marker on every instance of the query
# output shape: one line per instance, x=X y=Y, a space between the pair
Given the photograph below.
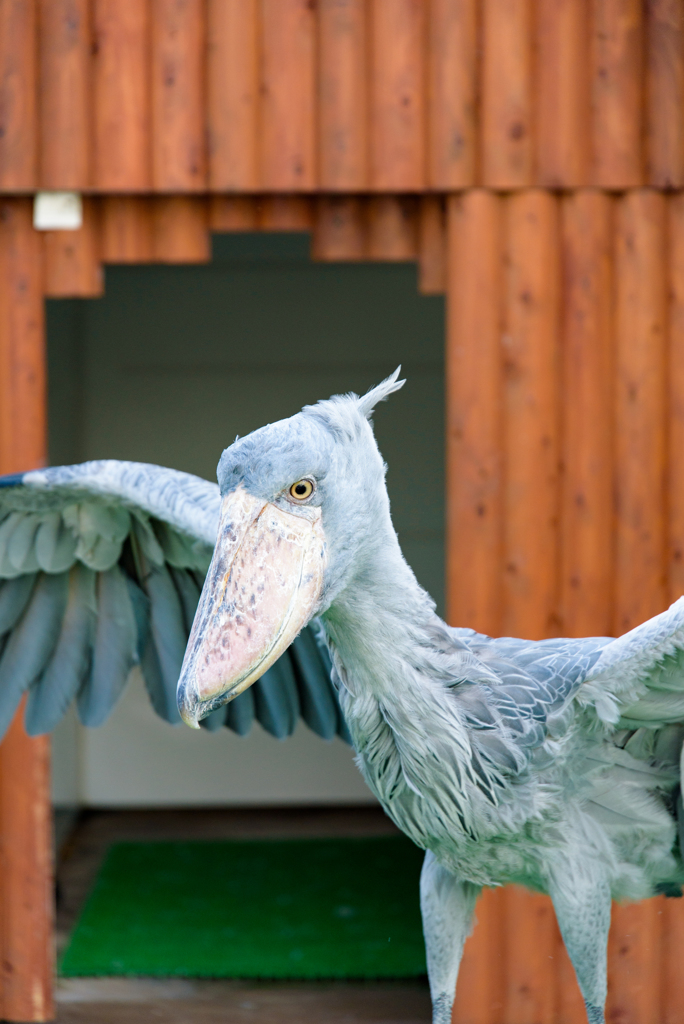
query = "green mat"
x=320 y=908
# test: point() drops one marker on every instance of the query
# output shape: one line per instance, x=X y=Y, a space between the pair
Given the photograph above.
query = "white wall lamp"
x=57 y=211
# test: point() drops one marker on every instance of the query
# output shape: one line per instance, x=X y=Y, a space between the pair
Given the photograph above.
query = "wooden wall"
x=183 y=96
x=176 y=229
x=565 y=508
x=26 y=890
x=528 y=153
x=565 y=490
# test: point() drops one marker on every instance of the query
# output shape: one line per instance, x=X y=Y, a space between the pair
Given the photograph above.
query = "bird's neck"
x=392 y=655
x=381 y=621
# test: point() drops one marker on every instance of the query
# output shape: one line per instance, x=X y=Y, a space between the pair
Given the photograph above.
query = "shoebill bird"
x=551 y=764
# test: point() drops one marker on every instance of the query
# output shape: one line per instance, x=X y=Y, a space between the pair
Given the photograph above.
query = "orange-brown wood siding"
x=527 y=153
x=348 y=96
x=26 y=949
x=564 y=509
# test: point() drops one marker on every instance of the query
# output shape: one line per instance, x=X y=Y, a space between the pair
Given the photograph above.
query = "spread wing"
x=638 y=680
x=514 y=694
x=635 y=681
x=630 y=694
x=101 y=568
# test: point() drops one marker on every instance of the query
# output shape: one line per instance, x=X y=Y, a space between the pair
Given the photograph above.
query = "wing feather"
x=639 y=678
x=318 y=703
x=31 y=643
x=189 y=594
x=240 y=712
x=55 y=544
x=68 y=667
x=115 y=650
x=216 y=720
x=14 y=596
x=7 y=528
x=276 y=701
x=148 y=543
x=20 y=546
x=169 y=634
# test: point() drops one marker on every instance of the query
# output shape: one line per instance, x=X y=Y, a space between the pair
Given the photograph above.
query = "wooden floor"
x=139 y=1001
x=106 y=1001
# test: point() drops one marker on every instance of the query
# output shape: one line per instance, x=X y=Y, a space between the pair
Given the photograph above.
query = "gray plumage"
x=555 y=765
x=319 y=708
x=241 y=713
x=101 y=567
x=31 y=643
x=53 y=692
x=169 y=634
x=115 y=649
x=277 y=715
x=14 y=596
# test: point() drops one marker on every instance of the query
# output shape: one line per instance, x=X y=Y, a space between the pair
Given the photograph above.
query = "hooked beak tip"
x=189 y=710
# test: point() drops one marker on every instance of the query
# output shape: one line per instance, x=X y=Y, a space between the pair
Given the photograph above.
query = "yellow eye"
x=302 y=490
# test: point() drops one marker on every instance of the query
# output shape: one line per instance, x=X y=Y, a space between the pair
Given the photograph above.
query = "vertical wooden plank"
x=286 y=213
x=232 y=93
x=397 y=95
x=452 y=85
x=617 y=93
x=233 y=213
x=72 y=258
x=474 y=402
x=640 y=453
x=26 y=965
x=530 y=943
x=339 y=229
x=431 y=246
x=26 y=858
x=178 y=151
x=634 y=966
x=640 y=471
x=392 y=228
x=671 y=958
x=480 y=988
x=18 y=95
x=342 y=95
x=673 y=923
x=506 y=116
x=561 y=93
x=665 y=93
x=65 y=91
x=180 y=230
x=587 y=491
x=126 y=228
x=675 y=483
x=122 y=115
x=288 y=90
x=531 y=398
x=22 y=374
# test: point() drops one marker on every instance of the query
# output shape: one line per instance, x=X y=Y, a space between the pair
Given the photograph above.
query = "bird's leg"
x=582 y=900
x=447 y=907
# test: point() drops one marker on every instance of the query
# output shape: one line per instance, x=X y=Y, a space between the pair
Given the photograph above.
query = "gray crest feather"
x=380 y=393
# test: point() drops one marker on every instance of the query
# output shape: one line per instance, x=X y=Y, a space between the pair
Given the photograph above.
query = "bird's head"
x=303 y=499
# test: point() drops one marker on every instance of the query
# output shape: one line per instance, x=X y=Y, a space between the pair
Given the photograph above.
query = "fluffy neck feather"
x=380 y=623
x=413 y=748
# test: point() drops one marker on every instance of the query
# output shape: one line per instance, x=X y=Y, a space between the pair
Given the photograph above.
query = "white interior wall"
x=168 y=367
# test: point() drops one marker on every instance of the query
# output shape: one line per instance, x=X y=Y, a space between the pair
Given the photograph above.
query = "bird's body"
x=484 y=751
x=552 y=764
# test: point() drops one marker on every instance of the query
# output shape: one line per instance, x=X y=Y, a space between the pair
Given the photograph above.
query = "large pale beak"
x=262 y=587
